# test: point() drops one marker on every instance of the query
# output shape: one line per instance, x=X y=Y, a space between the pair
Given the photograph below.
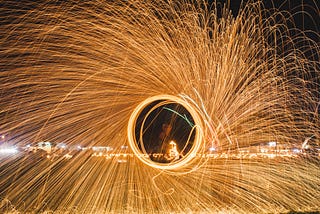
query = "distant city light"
x=101 y=148
x=46 y=146
x=296 y=150
x=124 y=147
x=272 y=144
x=212 y=149
x=61 y=145
x=8 y=150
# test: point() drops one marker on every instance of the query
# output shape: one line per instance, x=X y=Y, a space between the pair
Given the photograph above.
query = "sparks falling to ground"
x=100 y=74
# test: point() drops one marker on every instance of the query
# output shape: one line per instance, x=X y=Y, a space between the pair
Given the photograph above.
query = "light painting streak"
x=78 y=73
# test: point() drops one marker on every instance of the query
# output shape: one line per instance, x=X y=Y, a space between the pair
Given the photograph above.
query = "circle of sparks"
x=73 y=72
x=187 y=159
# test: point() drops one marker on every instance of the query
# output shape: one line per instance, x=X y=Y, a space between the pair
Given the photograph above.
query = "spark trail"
x=74 y=72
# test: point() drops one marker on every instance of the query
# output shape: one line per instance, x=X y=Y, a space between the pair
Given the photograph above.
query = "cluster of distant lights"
x=211 y=154
x=267 y=151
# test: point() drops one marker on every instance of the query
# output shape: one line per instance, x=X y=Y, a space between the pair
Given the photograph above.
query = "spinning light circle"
x=170 y=120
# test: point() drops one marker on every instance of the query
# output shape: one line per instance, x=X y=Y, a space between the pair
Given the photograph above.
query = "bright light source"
x=296 y=150
x=62 y=145
x=102 y=148
x=8 y=150
x=212 y=149
x=272 y=144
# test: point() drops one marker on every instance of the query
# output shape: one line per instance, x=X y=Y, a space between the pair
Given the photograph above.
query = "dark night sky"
x=304 y=16
x=305 y=13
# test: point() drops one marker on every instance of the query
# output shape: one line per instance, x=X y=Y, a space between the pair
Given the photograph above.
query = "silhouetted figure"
x=166 y=149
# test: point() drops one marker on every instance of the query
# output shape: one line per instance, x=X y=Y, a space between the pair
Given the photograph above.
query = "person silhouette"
x=162 y=145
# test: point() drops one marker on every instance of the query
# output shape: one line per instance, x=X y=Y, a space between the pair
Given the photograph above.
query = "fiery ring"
x=186 y=160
